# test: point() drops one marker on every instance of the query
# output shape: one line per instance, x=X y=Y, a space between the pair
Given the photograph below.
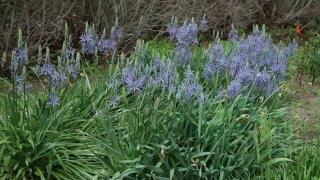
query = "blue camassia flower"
x=189 y=87
x=53 y=100
x=234 y=88
x=88 y=42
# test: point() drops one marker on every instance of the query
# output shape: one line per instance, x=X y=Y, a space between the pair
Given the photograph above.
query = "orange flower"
x=298 y=31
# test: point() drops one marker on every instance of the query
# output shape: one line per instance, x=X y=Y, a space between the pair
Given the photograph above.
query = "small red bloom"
x=298 y=31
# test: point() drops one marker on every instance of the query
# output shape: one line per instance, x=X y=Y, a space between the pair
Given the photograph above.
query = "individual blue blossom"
x=209 y=70
x=269 y=57
x=173 y=30
x=157 y=63
x=263 y=78
x=133 y=78
x=47 y=69
x=237 y=62
x=88 y=42
x=19 y=60
x=216 y=49
x=115 y=101
x=62 y=78
x=128 y=75
x=218 y=62
x=203 y=25
x=221 y=93
x=53 y=100
x=234 y=89
x=164 y=75
x=187 y=34
x=172 y=87
x=69 y=54
x=166 y=78
x=191 y=90
x=245 y=75
x=117 y=33
x=286 y=53
x=189 y=87
x=113 y=82
x=183 y=54
x=222 y=63
x=22 y=83
x=21 y=56
x=58 y=79
x=20 y=78
x=106 y=45
x=279 y=68
x=233 y=34
x=73 y=70
x=102 y=45
x=137 y=84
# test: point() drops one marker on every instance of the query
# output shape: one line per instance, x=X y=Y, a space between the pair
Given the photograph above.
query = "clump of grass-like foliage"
x=210 y=114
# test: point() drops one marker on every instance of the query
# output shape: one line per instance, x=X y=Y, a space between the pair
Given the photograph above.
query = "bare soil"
x=305 y=107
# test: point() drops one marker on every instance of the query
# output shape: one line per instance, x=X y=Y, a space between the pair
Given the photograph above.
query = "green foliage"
x=38 y=142
x=163 y=47
x=306 y=164
x=150 y=134
x=220 y=139
x=307 y=61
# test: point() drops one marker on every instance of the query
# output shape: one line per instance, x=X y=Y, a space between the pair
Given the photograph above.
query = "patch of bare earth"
x=305 y=107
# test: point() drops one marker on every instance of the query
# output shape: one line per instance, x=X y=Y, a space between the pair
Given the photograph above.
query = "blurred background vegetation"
x=42 y=20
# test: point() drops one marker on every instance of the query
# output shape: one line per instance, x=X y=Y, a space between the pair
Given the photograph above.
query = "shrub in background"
x=140 y=19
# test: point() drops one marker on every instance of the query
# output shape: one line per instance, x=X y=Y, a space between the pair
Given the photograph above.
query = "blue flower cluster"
x=203 y=25
x=67 y=66
x=90 y=41
x=133 y=78
x=254 y=59
x=162 y=73
x=251 y=62
x=248 y=62
x=189 y=87
x=218 y=62
x=185 y=36
x=18 y=66
x=58 y=76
